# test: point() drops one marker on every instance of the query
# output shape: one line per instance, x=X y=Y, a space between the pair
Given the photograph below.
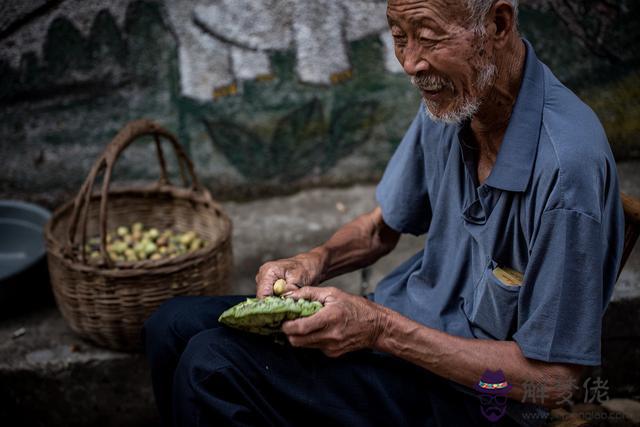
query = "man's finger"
x=311 y=293
x=263 y=292
x=318 y=340
x=306 y=325
x=315 y=340
x=265 y=280
x=293 y=276
x=290 y=288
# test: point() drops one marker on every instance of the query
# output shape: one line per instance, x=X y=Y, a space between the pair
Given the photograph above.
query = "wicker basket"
x=108 y=301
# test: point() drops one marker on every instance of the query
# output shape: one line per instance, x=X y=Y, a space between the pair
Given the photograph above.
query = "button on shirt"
x=550 y=209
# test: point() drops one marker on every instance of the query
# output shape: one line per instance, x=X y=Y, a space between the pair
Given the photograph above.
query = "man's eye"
x=399 y=38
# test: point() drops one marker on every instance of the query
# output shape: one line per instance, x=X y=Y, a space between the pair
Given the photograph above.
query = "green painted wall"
x=60 y=104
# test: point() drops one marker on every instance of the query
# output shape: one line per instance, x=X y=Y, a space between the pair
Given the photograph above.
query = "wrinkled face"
x=450 y=63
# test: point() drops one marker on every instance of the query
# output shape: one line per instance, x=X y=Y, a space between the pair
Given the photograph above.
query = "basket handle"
x=105 y=164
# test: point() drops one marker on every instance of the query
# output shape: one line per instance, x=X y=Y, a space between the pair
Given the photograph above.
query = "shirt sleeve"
x=560 y=305
x=402 y=193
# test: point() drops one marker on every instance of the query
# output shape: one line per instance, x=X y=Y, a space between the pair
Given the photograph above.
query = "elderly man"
x=511 y=177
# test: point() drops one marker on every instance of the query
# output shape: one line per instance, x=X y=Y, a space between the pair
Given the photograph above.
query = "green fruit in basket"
x=119 y=247
x=187 y=238
x=130 y=254
x=154 y=233
x=265 y=316
x=135 y=243
x=150 y=248
x=195 y=244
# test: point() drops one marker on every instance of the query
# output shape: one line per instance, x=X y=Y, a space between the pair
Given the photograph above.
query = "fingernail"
x=286 y=294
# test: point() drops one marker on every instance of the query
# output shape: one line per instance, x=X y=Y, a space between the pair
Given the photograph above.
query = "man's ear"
x=501 y=21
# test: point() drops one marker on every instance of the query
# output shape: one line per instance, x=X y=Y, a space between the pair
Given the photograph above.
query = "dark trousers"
x=205 y=374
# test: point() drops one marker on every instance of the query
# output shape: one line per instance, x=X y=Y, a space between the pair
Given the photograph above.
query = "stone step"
x=50 y=377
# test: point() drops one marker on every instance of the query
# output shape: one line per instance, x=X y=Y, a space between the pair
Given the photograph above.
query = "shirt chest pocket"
x=493 y=308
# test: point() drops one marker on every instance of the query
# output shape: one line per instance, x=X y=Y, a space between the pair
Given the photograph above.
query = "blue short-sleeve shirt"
x=550 y=209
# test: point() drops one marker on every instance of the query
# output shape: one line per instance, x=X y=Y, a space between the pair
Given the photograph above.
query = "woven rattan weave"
x=107 y=301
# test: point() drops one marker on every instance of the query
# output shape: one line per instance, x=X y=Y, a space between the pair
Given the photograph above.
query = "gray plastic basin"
x=21 y=236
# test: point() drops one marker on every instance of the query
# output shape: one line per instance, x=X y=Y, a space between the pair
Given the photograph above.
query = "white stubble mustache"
x=430 y=82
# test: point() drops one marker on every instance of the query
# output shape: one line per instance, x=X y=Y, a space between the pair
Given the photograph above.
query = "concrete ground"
x=50 y=377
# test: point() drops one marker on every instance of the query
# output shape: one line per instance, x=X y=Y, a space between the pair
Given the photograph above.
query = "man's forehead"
x=418 y=3
x=407 y=8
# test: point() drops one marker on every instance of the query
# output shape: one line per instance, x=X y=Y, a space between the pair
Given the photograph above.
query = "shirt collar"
x=512 y=170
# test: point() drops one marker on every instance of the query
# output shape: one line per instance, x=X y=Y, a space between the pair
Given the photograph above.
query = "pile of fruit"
x=137 y=243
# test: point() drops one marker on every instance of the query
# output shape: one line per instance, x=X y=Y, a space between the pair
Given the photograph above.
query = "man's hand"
x=302 y=270
x=346 y=323
x=355 y=245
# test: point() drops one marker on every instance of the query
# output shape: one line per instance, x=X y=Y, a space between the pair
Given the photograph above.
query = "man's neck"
x=490 y=123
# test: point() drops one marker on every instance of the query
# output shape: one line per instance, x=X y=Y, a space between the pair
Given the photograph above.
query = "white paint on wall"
x=318 y=30
x=222 y=42
x=205 y=65
x=253 y=24
x=364 y=18
x=250 y=64
x=321 y=48
x=205 y=62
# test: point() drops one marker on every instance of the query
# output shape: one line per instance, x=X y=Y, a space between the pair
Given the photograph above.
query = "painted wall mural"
x=266 y=95
x=223 y=42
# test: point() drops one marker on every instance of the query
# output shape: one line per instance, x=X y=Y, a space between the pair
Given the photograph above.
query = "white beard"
x=470 y=106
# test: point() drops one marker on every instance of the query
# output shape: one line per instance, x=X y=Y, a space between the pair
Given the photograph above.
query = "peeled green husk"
x=265 y=316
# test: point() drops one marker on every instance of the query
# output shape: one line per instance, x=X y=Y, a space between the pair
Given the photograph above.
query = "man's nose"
x=413 y=61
